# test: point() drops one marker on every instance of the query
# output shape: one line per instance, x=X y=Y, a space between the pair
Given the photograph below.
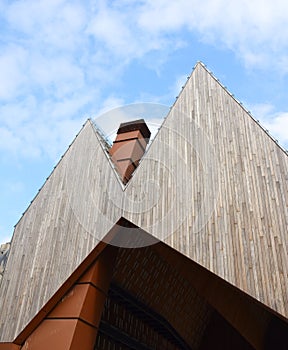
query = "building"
x=4 y=250
x=187 y=252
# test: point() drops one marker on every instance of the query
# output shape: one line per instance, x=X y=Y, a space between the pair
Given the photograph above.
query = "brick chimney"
x=129 y=147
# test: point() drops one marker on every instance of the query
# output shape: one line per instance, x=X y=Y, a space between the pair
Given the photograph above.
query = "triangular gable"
x=213 y=185
x=57 y=231
x=220 y=191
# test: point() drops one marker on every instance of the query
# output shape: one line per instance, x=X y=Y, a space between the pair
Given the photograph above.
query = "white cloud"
x=49 y=22
x=278 y=127
x=112 y=29
x=56 y=75
x=109 y=103
x=275 y=122
x=262 y=110
x=57 y=56
x=15 y=187
x=32 y=128
x=13 y=59
x=9 y=142
x=14 y=113
x=179 y=84
x=255 y=30
x=4 y=238
x=114 y=33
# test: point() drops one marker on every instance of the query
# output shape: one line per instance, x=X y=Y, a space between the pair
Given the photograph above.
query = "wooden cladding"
x=243 y=207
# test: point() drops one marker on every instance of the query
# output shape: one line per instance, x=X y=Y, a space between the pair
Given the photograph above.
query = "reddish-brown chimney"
x=129 y=147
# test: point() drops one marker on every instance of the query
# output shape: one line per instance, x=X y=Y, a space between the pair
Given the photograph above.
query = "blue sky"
x=64 y=61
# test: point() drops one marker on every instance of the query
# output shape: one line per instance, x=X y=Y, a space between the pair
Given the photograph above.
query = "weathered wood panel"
x=213 y=185
x=61 y=226
x=211 y=161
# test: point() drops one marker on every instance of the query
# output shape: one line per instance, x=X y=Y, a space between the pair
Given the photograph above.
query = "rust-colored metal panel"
x=99 y=273
x=125 y=169
x=9 y=346
x=52 y=334
x=132 y=135
x=127 y=149
x=135 y=125
x=74 y=321
x=62 y=335
x=84 y=301
x=62 y=291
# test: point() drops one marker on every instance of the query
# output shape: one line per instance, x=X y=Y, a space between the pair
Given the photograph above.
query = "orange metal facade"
x=151 y=297
x=73 y=323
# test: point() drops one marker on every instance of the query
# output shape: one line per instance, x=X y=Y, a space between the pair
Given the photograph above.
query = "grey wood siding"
x=216 y=164
x=57 y=231
x=212 y=185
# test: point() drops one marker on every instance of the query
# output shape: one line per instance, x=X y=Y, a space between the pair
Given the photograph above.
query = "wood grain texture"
x=216 y=163
x=58 y=230
x=212 y=185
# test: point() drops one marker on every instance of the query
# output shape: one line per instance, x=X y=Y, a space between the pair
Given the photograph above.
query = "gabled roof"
x=213 y=185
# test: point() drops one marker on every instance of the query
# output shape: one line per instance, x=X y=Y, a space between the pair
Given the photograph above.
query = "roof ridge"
x=105 y=148
x=200 y=63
